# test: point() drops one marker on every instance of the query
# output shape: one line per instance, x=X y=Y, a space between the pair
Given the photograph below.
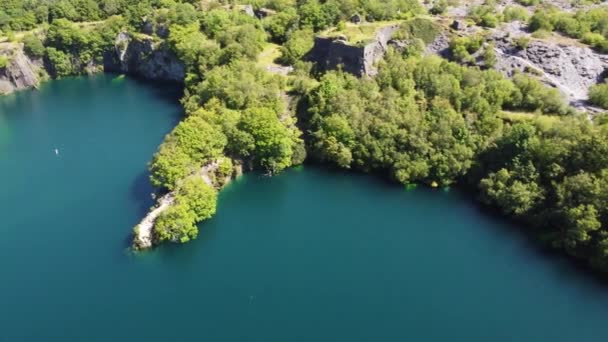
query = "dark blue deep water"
x=305 y=256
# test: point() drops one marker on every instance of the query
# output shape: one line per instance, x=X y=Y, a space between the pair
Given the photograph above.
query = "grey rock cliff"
x=144 y=57
x=21 y=72
x=331 y=53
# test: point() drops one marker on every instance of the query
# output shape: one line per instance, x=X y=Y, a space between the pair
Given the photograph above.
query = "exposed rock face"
x=21 y=72
x=248 y=9
x=571 y=69
x=440 y=46
x=151 y=28
x=143 y=238
x=145 y=58
x=330 y=53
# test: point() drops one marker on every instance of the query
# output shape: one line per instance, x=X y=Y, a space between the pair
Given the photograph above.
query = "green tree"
x=298 y=44
x=33 y=47
x=582 y=221
x=273 y=142
x=60 y=62
x=176 y=224
x=200 y=197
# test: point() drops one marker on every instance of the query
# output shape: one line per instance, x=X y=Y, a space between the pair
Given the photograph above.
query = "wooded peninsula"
x=417 y=92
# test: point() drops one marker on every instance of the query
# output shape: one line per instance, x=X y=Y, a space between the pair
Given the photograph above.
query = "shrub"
x=598 y=95
x=60 y=62
x=541 y=20
x=489 y=20
x=533 y=95
x=521 y=42
x=533 y=71
x=489 y=56
x=463 y=47
x=513 y=13
x=529 y=2
x=3 y=62
x=596 y=40
x=32 y=45
x=602 y=46
x=439 y=7
x=568 y=25
x=298 y=44
x=484 y=15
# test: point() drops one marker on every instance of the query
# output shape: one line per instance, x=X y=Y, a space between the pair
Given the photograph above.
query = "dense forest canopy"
x=422 y=119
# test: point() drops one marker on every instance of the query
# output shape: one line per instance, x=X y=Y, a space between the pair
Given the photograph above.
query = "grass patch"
x=544 y=121
x=269 y=55
x=356 y=33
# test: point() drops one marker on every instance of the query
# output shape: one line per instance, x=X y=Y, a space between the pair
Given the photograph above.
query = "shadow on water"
x=168 y=91
x=562 y=265
x=184 y=256
x=141 y=192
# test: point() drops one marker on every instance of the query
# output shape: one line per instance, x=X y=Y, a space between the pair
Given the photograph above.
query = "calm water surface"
x=304 y=256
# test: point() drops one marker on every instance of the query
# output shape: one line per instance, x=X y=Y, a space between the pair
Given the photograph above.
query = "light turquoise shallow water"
x=304 y=256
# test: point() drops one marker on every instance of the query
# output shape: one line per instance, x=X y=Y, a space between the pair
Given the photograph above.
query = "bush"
x=541 y=20
x=489 y=20
x=598 y=95
x=596 y=40
x=439 y=7
x=463 y=47
x=59 y=62
x=529 y=2
x=484 y=15
x=541 y=34
x=521 y=42
x=514 y=13
x=532 y=95
x=567 y=25
x=33 y=47
x=592 y=39
x=298 y=44
x=3 y=62
x=489 y=56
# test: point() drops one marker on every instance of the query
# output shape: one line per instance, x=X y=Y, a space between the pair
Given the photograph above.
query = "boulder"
x=356 y=19
x=458 y=25
x=248 y=9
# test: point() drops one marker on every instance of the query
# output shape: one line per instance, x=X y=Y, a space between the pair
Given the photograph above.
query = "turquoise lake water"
x=308 y=255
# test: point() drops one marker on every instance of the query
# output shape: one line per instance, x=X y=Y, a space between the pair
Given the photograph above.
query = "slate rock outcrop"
x=144 y=57
x=570 y=68
x=330 y=53
x=21 y=72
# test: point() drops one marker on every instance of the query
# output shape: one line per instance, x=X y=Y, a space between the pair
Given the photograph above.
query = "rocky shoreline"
x=141 y=56
x=143 y=233
x=22 y=72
